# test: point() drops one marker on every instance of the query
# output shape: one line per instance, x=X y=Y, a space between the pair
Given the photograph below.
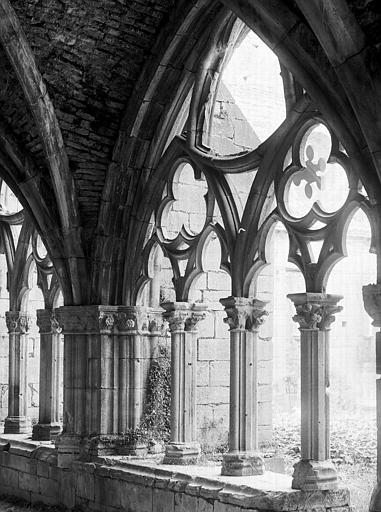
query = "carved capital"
x=308 y=315
x=315 y=311
x=106 y=321
x=55 y=324
x=86 y=319
x=176 y=314
x=103 y=319
x=197 y=313
x=244 y=313
x=156 y=324
x=43 y=320
x=47 y=321
x=132 y=319
x=371 y=294
x=73 y=319
x=17 y=322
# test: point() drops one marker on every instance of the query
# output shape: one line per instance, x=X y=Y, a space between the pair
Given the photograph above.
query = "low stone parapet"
x=114 y=484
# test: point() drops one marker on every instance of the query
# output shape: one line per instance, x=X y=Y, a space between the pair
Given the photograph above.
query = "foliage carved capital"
x=18 y=322
x=315 y=311
x=244 y=314
x=132 y=319
x=371 y=294
x=183 y=316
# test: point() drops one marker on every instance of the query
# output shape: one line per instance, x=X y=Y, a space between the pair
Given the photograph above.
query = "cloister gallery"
x=189 y=247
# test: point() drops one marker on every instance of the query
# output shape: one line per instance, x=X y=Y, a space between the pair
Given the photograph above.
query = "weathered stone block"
x=185 y=503
x=224 y=507
x=135 y=497
x=218 y=280
x=265 y=393
x=19 y=463
x=221 y=414
x=264 y=350
x=265 y=372
x=264 y=413
x=203 y=373
x=28 y=482
x=206 y=326
x=163 y=500
x=213 y=395
x=213 y=350
x=242 y=464
x=67 y=488
x=9 y=477
x=312 y=475
x=219 y=373
x=107 y=490
x=204 y=506
x=221 y=327
x=43 y=469
x=48 y=487
x=84 y=485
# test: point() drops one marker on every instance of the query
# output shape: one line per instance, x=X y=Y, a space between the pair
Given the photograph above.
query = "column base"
x=69 y=448
x=242 y=464
x=17 y=425
x=375 y=502
x=182 y=453
x=310 y=475
x=113 y=444
x=46 y=432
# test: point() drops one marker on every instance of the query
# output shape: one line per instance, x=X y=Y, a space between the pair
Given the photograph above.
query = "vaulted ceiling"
x=89 y=91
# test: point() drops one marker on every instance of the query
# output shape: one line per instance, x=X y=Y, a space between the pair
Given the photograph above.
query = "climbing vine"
x=156 y=419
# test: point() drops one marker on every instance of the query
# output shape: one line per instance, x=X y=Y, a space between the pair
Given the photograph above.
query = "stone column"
x=132 y=325
x=244 y=316
x=314 y=314
x=372 y=303
x=48 y=425
x=183 y=318
x=17 y=421
x=103 y=389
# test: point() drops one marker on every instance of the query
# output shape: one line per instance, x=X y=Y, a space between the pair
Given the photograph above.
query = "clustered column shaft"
x=183 y=319
x=48 y=425
x=17 y=421
x=244 y=316
x=105 y=349
x=314 y=314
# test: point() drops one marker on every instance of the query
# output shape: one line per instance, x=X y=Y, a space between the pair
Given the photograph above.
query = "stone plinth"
x=242 y=464
x=30 y=471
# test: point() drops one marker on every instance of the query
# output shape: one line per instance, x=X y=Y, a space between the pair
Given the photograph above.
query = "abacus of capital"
x=314 y=314
x=183 y=319
x=105 y=350
x=244 y=316
x=372 y=304
x=17 y=421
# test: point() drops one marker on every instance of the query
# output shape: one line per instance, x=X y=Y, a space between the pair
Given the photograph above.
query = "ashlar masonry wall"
x=30 y=471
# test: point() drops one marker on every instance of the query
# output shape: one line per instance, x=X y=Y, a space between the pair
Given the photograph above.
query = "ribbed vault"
x=89 y=93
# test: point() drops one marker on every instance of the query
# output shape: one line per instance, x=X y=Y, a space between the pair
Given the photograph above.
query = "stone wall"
x=30 y=471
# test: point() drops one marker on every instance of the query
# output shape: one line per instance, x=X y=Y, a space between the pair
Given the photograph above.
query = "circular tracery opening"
x=187 y=208
x=249 y=103
x=321 y=179
x=9 y=204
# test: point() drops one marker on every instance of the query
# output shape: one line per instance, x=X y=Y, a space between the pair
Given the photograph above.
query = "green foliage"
x=156 y=420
